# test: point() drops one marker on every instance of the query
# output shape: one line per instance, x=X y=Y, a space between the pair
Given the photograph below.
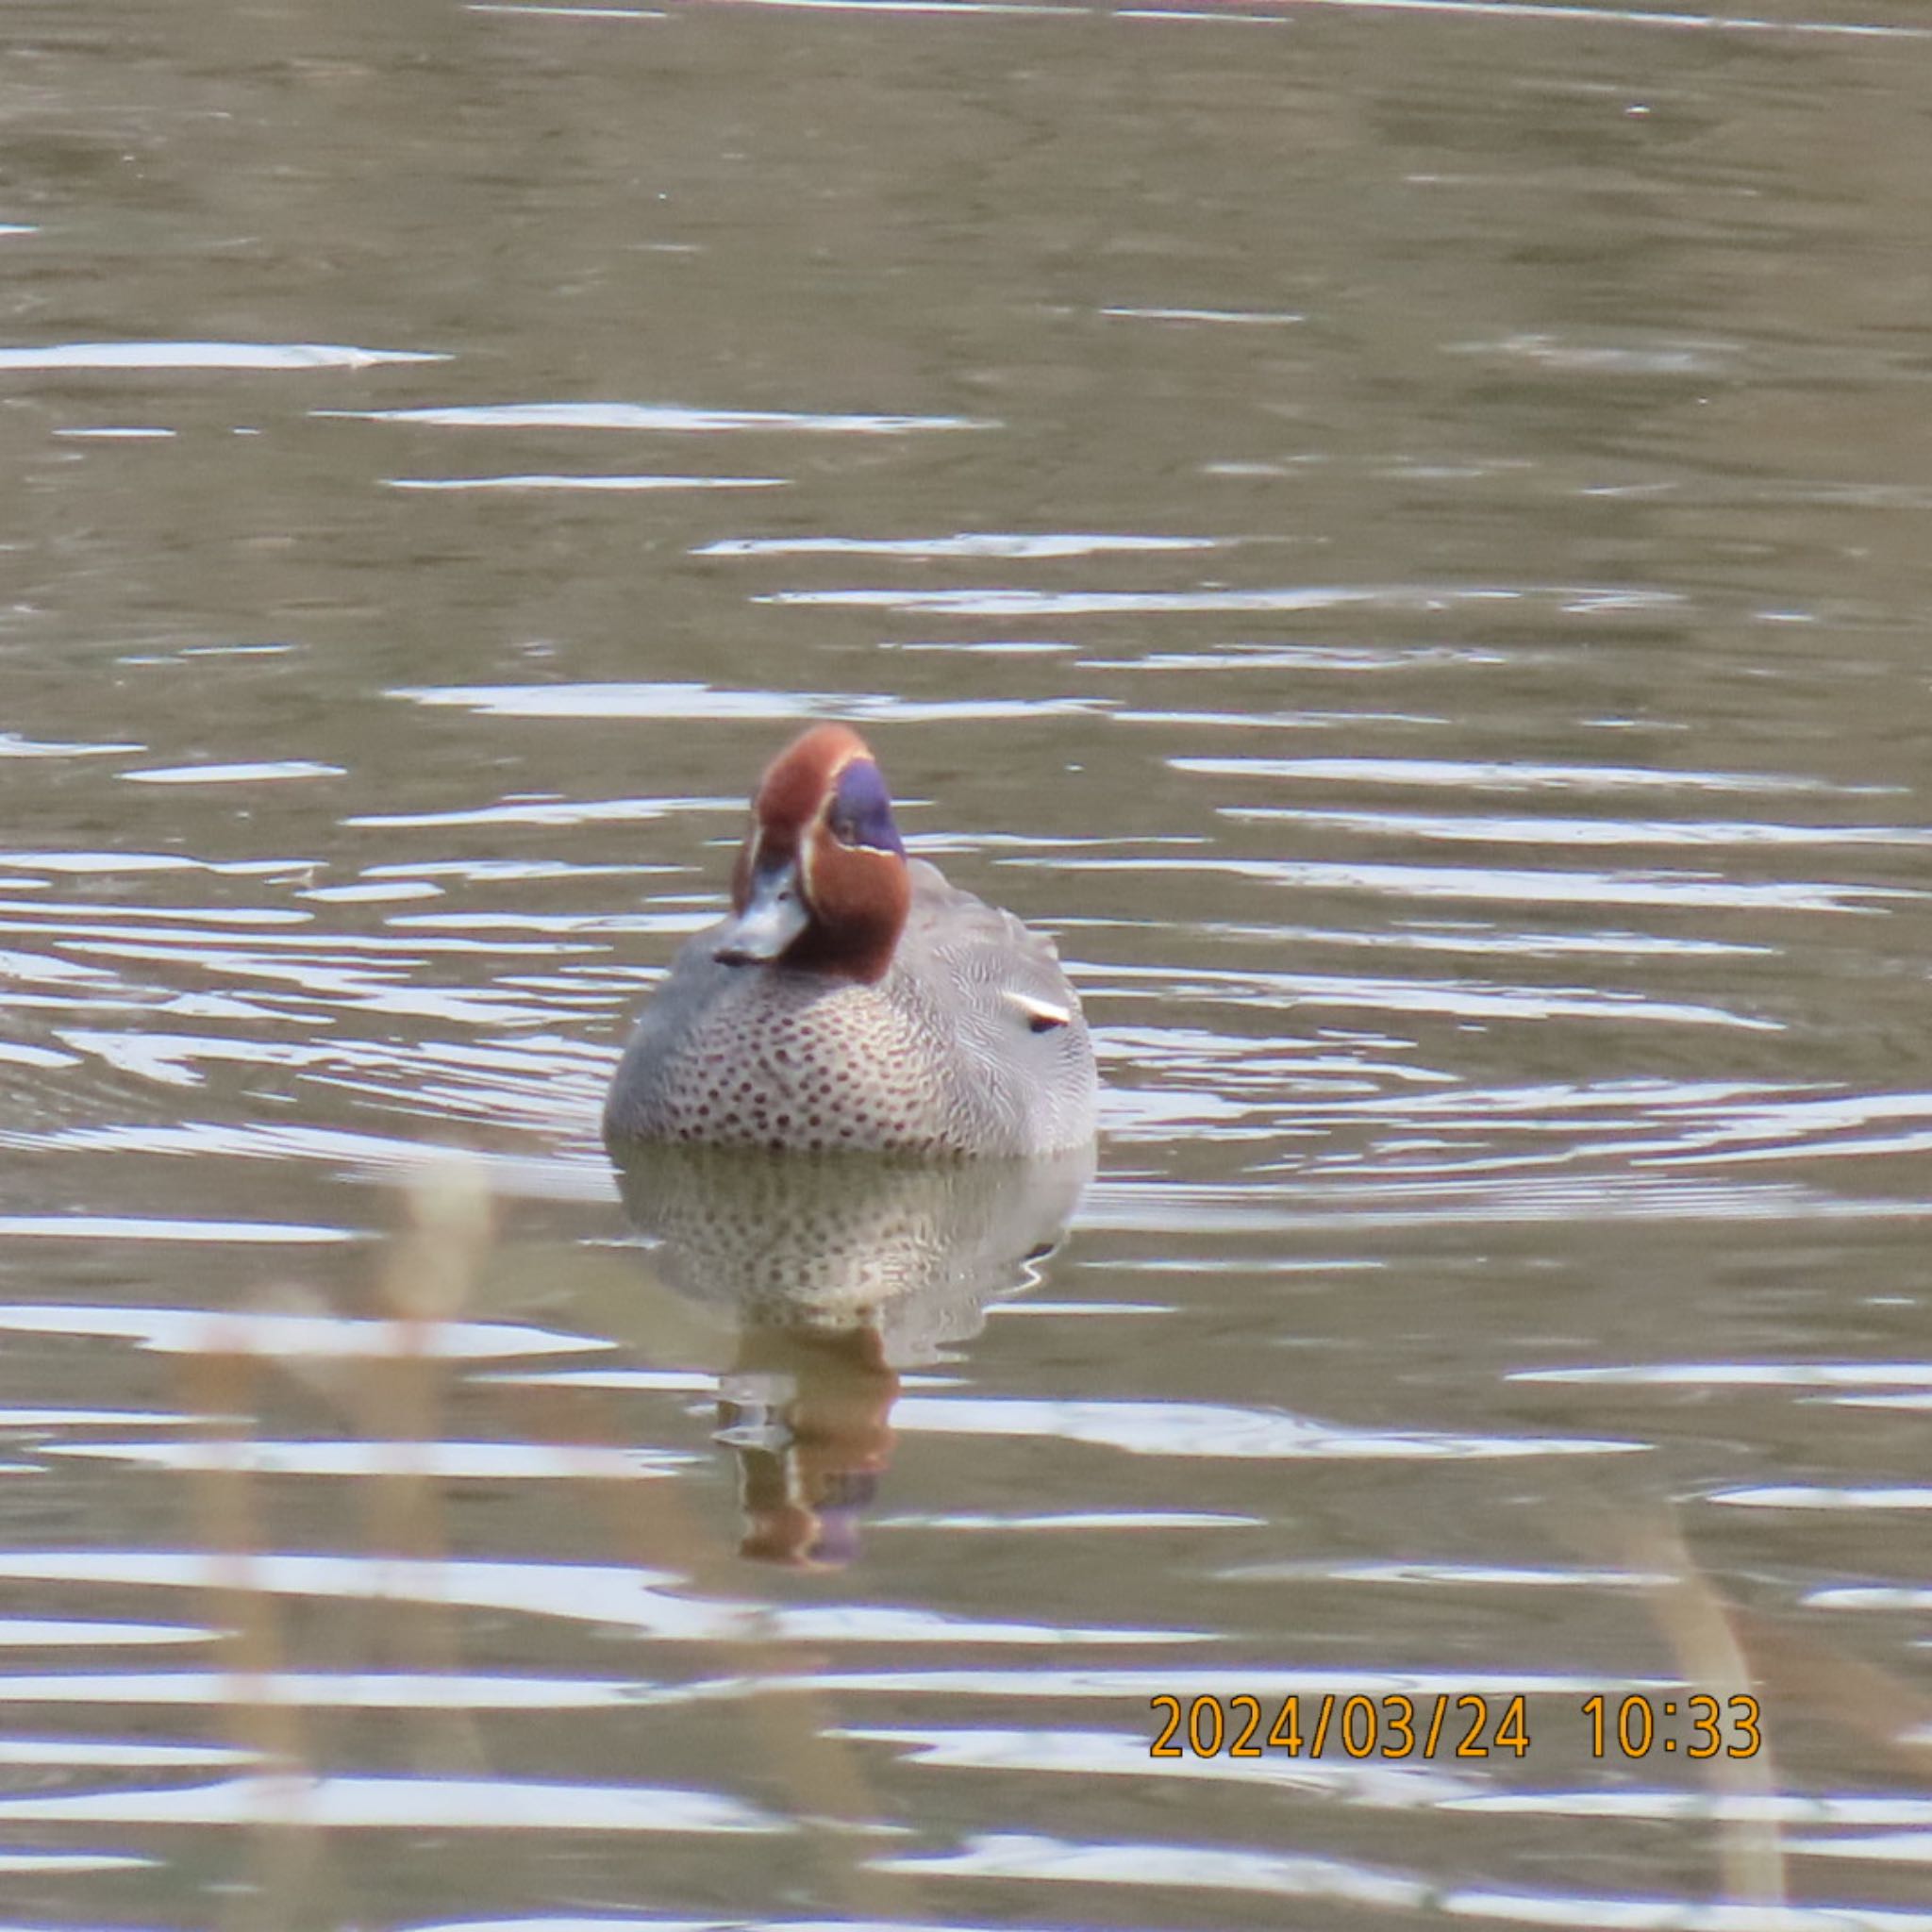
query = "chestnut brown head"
x=820 y=881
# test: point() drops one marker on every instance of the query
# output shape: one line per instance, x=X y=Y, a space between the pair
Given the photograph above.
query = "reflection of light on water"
x=974 y=543
x=1470 y=828
x=591 y=483
x=1521 y=886
x=1077 y=1520
x=127 y=1227
x=1183 y=1429
x=1117 y=1754
x=660 y=701
x=350 y=1690
x=73 y=1861
x=185 y=355
x=1135 y=1686
x=235 y=774
x=1015 y=602
x=434 y=1461
x=1461 y=998
x=646 y=1604
x=1781 y=1807
x=1431 y=1575
x=1588 y=1912
x=1279 y=1875
x=439 y=1803
x=209 y=1331
x=538 y=13
x=1511 y=775
x=71 y=1633
x=1253 y=318
x=1742 y=1375
x=657 y=416
x=1317 y=1203
x=1825 y=1496
x=13 y=745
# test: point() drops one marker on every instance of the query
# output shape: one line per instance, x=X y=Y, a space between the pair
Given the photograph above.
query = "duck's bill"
x=774 y=916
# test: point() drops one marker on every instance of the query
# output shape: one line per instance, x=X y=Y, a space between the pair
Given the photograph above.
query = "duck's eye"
x=844 y=827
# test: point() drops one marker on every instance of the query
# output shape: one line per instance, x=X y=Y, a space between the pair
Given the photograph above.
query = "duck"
x=852 y=999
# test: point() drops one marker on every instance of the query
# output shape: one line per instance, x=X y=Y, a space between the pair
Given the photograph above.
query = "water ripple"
x=1523 y=887
x=616 y=484
x=977 y=543
x=441 y=1802
x=210 y=1331
x=673 y=417
x=1514 y=775
x=1194 y=1868
x=190 y=354
x=436 y=1461
x=637 y=1600
x=1005 y=603
x=1181 y=1428
x=657 y=701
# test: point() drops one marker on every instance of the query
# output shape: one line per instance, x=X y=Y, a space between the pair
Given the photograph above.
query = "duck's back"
x=973 y=1042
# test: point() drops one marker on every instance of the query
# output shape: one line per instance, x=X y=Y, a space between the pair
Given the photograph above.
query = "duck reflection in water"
x=836 y=1272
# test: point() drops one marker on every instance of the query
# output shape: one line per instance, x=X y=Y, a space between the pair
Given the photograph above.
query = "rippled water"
x=1396 y=532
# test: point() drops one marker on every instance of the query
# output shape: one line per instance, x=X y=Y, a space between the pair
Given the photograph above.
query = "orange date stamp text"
x=1394 y=1726
x=1698 y=1724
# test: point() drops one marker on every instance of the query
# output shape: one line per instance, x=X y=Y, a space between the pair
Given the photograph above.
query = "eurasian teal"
x=853 y=999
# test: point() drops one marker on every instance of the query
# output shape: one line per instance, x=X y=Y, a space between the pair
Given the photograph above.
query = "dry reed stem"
x=427 y=1277
x=288 y=1855
x=1701 y=1628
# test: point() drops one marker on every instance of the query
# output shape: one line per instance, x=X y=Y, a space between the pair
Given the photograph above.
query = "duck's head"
x=820 y=881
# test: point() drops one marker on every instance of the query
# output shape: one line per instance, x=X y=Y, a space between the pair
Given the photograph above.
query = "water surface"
x=1395 y=533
